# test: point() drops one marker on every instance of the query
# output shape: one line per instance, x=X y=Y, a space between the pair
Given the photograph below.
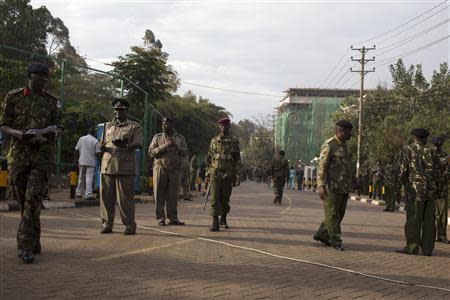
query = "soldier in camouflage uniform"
x=30 y=160
x=391 y=185
x=223 y=163
x=193 y=168
x=335 y=181
x=418 y=170
x=280 y=173
x=121 y=137
x=442 y=199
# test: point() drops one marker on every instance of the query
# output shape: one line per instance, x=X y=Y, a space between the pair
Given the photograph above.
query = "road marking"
x=289 y=204
x=120 y=255
x=255 y=250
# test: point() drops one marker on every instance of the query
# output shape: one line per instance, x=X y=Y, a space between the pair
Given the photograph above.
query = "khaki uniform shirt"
x=115 y=160
x=169 y=158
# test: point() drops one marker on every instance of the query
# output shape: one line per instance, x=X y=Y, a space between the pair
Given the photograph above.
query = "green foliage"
x=389 y=115
x=147 y=67
x=195 y=119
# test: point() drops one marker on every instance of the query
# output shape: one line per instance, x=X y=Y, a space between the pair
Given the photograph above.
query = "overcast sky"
x=263 y=47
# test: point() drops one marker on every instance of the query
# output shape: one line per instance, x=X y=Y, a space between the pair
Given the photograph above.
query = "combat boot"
x=215 y=224
x=27 y=256
x=223 y=222
x=37 y=248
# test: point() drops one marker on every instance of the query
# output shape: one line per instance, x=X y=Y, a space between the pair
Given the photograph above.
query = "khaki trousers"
x=166 y=190
x=120 y=189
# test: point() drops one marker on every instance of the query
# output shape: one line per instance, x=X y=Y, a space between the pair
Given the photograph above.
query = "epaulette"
x=328 y=141
x=16 y=91
x=134 y=123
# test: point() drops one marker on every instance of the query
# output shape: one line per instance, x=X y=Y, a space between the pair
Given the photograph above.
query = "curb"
x=14 y=206
x=368 y=200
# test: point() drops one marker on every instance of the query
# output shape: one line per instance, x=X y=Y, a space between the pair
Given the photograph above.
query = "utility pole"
x=362 y=72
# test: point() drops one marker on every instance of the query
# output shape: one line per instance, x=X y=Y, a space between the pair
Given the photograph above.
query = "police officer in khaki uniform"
x=169 y=151
x=121 y=137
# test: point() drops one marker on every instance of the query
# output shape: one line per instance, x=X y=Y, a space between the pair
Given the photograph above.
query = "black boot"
x=223 y=222
x=215 y=224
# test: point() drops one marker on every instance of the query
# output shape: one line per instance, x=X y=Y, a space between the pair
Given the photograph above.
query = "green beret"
x=282 y=152
x=440 y=139
x=420 y=132
x=344 y=124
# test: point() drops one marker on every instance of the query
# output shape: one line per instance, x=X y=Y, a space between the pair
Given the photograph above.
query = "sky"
x=259 y=49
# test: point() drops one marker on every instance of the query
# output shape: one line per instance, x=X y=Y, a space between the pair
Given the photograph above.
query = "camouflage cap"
x=344 y=124
x=436 y=140
x=38 y=68
x=420 y=132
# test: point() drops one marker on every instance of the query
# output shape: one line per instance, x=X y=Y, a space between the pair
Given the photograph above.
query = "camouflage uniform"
x=334 y=171
x=30 y=163
x=118 y=173
x=442 y=199
x=418 y=166
x=391 y=184
x=193 y=167
x=223 y=163
x=280 y=171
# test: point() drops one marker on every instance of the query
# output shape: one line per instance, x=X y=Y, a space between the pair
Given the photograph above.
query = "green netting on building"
x=299 y=122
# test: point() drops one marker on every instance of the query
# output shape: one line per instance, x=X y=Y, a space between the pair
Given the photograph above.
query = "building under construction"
x=300 y=118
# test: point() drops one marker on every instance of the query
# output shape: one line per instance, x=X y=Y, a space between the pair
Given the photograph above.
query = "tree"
x=147 y=67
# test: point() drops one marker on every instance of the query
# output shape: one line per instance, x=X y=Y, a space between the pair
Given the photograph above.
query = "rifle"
x=206 y=196
x=41 y=135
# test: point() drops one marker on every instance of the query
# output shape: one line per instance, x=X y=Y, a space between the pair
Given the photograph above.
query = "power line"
x=389 y=60
x=413 y=37
x=340 y=72
x=232 y=91
x=401 y=25
x=414 y=25
x=343 y=76
x=329 y=74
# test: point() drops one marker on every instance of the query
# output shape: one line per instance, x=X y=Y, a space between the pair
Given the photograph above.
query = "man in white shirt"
x=86 y=151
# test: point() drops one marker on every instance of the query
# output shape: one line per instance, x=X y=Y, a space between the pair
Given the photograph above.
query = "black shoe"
x=405 y=251
x=27 y=256
x=388 y=209
x=443 y=240
x=215 y=224
x=427 y=254
x=19 y=253
x=187 y=199
x=223 y=222
x=319 y=239
x=176 y=223
x=106 y=229
x=162 y=223
x=338 y=247
x=129 y=231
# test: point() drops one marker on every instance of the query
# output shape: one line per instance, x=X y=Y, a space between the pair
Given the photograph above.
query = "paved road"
x=268 y=253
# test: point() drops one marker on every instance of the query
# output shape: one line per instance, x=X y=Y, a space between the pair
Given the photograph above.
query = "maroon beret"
x=224 y=121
